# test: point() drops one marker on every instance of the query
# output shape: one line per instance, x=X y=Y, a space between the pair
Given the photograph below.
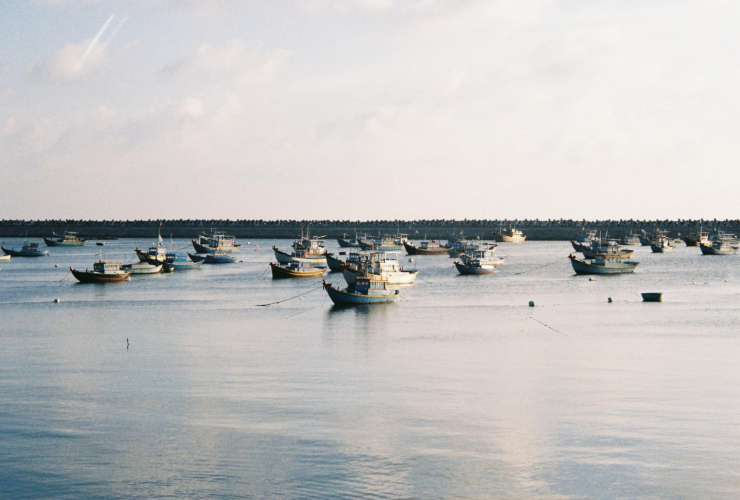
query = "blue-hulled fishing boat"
x=213 y=258
x=367 y=290
x=29 y=249
x=179 y=262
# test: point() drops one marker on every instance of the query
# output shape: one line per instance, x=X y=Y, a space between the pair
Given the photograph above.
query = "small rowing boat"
x=295 y=270
x=142 y=268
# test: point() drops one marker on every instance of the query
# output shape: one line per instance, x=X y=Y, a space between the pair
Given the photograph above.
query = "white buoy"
x=531 y=303
x=56 y=301
x=56 y=265
x=591 y=279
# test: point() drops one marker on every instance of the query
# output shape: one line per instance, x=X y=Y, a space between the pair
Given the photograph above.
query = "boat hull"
x=347 y=243
x=52 y=243
x=93 y=277
x=582 y=267
x=212 y=258
x=206 y=249
x=20 y=253
x=142 y=268
x=347 y=298
x=333 y=263
x=279 y=272
x=503 y=238
x=645 y=242
x=413 y=250
x=660 y=249
x=463 y=269
x=708 y=250
x=393 y=278
x=180 y=266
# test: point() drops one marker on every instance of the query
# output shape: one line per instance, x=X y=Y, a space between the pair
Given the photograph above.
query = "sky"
x=369 y=109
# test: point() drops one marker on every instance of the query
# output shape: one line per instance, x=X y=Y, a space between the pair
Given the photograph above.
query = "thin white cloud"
x=347 y=6
x=237 y=60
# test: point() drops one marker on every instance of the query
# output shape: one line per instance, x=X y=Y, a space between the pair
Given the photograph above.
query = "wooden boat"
x=65 y=240
x=215 y=242
x=213 y=258
x=295 y=270
x=459 y=247
x=482 y=260
x=142 y=268
x=29 y=249
x=432 y=247
x=718 y=248
x=387 y=243
x=179 y=262
x=652 y=297
x=603 y=265
x=510 y=235
x=156 y=254
x=384 y=266
x=367 y=290
x=103 y=272
x=345 y=242
x=333 y=263
x=586 y=237
x=661 y=243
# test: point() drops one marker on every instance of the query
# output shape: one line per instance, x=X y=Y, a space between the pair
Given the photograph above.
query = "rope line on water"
x=548 y=326
x=536 y=268
x=291 y=298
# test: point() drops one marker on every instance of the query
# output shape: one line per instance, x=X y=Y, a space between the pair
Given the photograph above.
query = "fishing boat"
x=104 y=271
x=215 y=242
x=295 y=270
x=383 y=265
x=367 y=290
x=718 y=247
x=432 y=247
x=629 y=239
x=142 y=268
x=586 y=237
x=176 y=261
x=345 y=242
x=334 y=263
x=479 y=261
x=662 y=243
x=599 y=248
x=213 y=258
x=459 y=247
x=156 y=254
x=510 y=235
x=312 y=256
x=65 y=240
x=607 y=264
x=29 y=249
x=387 y=243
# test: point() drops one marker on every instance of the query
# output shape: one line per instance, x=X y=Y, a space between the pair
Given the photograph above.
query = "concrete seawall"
x=437 y=229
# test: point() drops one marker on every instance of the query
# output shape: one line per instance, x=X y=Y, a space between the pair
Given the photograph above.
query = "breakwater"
x=416 y=229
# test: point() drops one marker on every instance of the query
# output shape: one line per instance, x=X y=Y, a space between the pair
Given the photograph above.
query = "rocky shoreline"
x=417 y=229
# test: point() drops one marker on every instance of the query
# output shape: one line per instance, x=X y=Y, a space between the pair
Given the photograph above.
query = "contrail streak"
x=95 y=40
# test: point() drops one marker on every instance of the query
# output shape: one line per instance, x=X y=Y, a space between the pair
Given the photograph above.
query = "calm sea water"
x=458 y=391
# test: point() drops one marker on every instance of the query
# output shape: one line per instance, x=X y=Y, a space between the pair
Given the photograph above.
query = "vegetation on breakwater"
x=561 y=229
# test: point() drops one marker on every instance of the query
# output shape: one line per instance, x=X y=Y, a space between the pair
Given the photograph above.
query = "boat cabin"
x=107 y=267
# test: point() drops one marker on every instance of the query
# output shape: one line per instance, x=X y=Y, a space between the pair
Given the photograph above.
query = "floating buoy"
x=531 y=303
x=57 y=265
x=128 y=279
x=301 y=298
x=609 y=300
x=591 y=279
x=410 y=259
x=56 y=301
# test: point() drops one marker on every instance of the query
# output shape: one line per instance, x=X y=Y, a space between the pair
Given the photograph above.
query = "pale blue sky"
x=369 y=109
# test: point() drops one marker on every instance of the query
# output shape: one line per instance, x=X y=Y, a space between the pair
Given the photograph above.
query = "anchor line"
x=536 y=268
x=291 y=298
x=548 y=326
x=65 y=276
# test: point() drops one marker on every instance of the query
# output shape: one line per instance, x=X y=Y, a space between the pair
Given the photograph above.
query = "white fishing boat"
x=380 y=265
x=662 y=243
x=607 y=264
x=511 y=235
x=142 y=268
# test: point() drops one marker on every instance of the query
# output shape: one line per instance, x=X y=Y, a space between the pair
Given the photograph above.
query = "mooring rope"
x=291 y=298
